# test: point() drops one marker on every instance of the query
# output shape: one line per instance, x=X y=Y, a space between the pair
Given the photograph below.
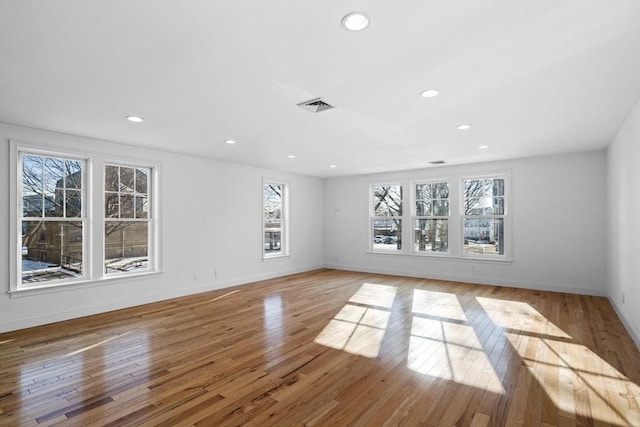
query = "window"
x=386 y=218
x=274 y=220
x=431 y=217
x=51 y=218
x=74 y=213
x=126 y=218
x=484 y=216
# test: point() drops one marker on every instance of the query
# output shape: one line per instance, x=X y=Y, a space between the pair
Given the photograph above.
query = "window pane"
x=423 y=191
x=73 y=203
x=441 y=190
x=272 y=239
x=387 y=200
x=111 y=205
x=498 y=187
x=473 y=206
x=142 y=206
x=423 y=208
x=484 y=236
x=126 y=179
x=73 y=178
x=126 y=205
x=387 y=234
x=111 y=180
x=126 y=246
x=273 y=201
x=51 y=250
x=441 y=208
x=431 y=235
x=32 y=200
x=52 y=187
x=32 y=205
x=498 y=205
x=141 y=180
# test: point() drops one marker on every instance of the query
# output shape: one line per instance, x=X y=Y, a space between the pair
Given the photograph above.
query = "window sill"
x=270 y=257
x=444 y=257
x=80 y=284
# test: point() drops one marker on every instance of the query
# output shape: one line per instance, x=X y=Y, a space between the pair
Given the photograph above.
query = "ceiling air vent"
x=315 y=105
x=437 y=162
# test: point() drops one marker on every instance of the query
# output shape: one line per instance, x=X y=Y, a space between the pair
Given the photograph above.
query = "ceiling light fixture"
x=332 y=166
x=483 y=147
x=135 y=119
x=429 y=93
x=291 y=156
x=229 y=141
x=355 y=21
x=464 y=127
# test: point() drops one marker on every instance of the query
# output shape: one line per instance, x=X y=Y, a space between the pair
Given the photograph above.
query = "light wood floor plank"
x=330 y=348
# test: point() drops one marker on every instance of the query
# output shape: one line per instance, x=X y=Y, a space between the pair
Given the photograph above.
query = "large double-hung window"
x=80 y=218
x=386 y=218
x=52 y=218
x=484 y=216
x=431 y=220
x=275 y=219
x=127 y=220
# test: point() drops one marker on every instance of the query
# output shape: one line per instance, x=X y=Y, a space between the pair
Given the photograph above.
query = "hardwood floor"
x=330 y=348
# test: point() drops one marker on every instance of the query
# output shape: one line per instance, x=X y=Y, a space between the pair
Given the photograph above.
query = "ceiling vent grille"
x=315 y=105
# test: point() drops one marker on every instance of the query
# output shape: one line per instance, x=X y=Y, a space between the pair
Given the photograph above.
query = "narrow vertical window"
x=51 y=219
x=484 y=216
x=127 y=218
x=386 y=217
x=274 y=220
x=431 y=217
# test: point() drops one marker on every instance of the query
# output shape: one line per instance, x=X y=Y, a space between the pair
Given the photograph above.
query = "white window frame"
x=506 y=216
x=150 y=220
x=415 y=217
x=92 y=215
x=284 y=219
x=373 y=218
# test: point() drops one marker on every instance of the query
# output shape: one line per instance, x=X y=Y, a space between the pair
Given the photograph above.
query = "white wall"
x=211 y=219
x=558 y=220
x=623 y=188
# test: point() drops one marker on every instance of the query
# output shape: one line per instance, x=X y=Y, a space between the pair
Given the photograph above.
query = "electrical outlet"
x=195 y=276
x=623 y=297
x=216 y=273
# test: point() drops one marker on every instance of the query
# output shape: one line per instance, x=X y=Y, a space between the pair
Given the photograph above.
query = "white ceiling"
x=532 y=77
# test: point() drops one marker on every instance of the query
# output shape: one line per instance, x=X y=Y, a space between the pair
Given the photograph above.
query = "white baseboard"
x=475 y=279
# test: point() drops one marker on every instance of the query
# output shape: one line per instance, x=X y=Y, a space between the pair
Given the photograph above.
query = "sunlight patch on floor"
x=450 y=351
x=360 y=326
x=519 y=315
x=357 y=330
x=437 y=304
x=375 y=295
x=581 y=373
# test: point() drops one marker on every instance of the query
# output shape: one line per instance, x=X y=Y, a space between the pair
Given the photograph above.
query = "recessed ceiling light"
x=229 y=141
x=429 y=93
x=483 y=147
x=135 y=119
x=332 y=166
x=355 y=21
x=464 y=127
x=291 y=156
